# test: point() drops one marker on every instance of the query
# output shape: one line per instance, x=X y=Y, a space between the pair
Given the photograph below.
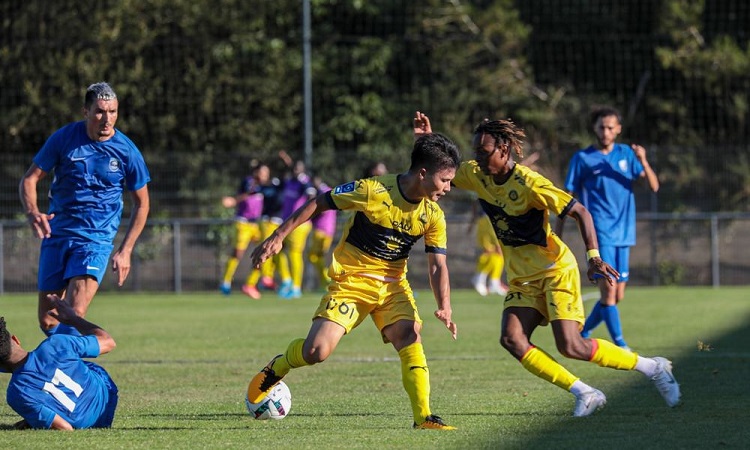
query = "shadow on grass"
x=715 y=409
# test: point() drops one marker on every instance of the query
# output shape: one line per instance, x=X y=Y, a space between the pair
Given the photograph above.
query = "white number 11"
x=61 y=378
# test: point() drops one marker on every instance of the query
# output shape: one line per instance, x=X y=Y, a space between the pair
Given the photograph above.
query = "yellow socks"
x=416 y=379
x=231 y=268
x=538 y=362
x=607 y=354
x=292 y=358
x=253 y=278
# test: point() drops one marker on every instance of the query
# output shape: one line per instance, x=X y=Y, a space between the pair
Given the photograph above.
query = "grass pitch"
x=183 y=362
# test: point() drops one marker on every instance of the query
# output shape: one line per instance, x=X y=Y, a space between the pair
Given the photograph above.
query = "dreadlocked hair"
x=4 y=342
x=504 y=131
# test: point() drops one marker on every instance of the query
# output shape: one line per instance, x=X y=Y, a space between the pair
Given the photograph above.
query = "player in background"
x=368 y=272
x=375 y=169
x=93 y=162
x=270 y=220
x=297 y=190
x=248 y=204
x=601 y=177
x=52 y=387
x=543 y=277
x=487 y=277
x=324 y=228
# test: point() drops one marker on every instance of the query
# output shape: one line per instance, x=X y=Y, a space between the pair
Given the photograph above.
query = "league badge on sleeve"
x=344 y=188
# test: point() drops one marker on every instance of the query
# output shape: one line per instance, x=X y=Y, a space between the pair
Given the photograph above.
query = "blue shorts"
x=61 y=259
x=108 y=415
x=619 y=258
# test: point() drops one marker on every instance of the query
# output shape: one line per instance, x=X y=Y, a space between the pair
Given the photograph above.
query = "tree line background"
x=207 y=87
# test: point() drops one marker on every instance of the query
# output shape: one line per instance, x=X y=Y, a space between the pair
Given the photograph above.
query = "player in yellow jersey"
x=368 y=272
x=543 y=277
x=490 y=261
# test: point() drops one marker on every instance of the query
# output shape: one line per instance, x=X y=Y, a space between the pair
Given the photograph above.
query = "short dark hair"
x=434 y=152
x=4 y=342
x=600 y=112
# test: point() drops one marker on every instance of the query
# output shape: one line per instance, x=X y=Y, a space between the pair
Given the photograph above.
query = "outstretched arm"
x=441 y=289
x=588 y=233
x=64 y=313
x=273 y=244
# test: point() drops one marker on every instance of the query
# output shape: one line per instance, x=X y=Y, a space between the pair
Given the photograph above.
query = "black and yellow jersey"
x=384 y=226
x=519 y=212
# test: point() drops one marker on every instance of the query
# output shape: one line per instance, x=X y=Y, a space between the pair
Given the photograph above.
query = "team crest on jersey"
x=513 y=195
x=623 y=165
x=344 y=188
x=114 y=165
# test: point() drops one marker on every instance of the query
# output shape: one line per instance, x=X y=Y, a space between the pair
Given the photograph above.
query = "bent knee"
x=515 y=345
x=316 y=355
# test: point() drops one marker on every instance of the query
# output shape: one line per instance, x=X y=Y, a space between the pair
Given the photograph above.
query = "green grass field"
x=183 y=362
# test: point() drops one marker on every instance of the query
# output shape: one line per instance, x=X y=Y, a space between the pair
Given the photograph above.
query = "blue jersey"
x=86 y=192
x=604 y=184
x=55 y=380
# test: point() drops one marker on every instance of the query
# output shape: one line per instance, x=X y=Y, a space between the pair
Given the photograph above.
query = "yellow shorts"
x=321 y=243
x=556 y=296
x=267 y=227
x=351 y=298
x=297 y=239
x=486 y=237
x=247 y=232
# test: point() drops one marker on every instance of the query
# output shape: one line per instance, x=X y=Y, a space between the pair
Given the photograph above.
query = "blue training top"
x=55 y=380
x=604 y=184
x=86 y=192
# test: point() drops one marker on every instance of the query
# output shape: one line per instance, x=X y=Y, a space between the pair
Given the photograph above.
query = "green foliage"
x=207 y=86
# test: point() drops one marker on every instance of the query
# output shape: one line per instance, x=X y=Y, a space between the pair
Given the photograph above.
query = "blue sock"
x=611 y=317
x=593 y=321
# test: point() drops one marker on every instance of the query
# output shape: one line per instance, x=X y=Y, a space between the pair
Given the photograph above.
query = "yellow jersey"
x=519 y=212
x=379 y=235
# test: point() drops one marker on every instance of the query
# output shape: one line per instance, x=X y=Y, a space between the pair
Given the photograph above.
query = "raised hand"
x=421 y=125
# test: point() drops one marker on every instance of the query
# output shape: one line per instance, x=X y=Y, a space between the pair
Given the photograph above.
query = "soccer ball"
x=276 y=405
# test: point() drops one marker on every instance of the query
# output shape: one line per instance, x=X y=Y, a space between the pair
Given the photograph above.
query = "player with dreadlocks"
x=543 y=276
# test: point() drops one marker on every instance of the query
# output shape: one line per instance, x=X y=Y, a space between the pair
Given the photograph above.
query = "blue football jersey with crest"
x=604 y=184
x=89 y=178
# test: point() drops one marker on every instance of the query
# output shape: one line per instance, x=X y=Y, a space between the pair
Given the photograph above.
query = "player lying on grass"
x=543 y=277
x=368 y=272
x=52 y=386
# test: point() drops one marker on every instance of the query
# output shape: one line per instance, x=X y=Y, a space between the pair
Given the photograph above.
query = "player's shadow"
x=712 y=379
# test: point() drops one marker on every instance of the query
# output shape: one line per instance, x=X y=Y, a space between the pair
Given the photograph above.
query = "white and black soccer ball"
x=276 y=405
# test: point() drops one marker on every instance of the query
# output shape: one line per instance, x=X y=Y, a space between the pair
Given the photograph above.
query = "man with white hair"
x=92 y=163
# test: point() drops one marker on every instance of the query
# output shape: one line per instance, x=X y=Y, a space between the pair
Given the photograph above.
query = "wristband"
x=593 y=253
